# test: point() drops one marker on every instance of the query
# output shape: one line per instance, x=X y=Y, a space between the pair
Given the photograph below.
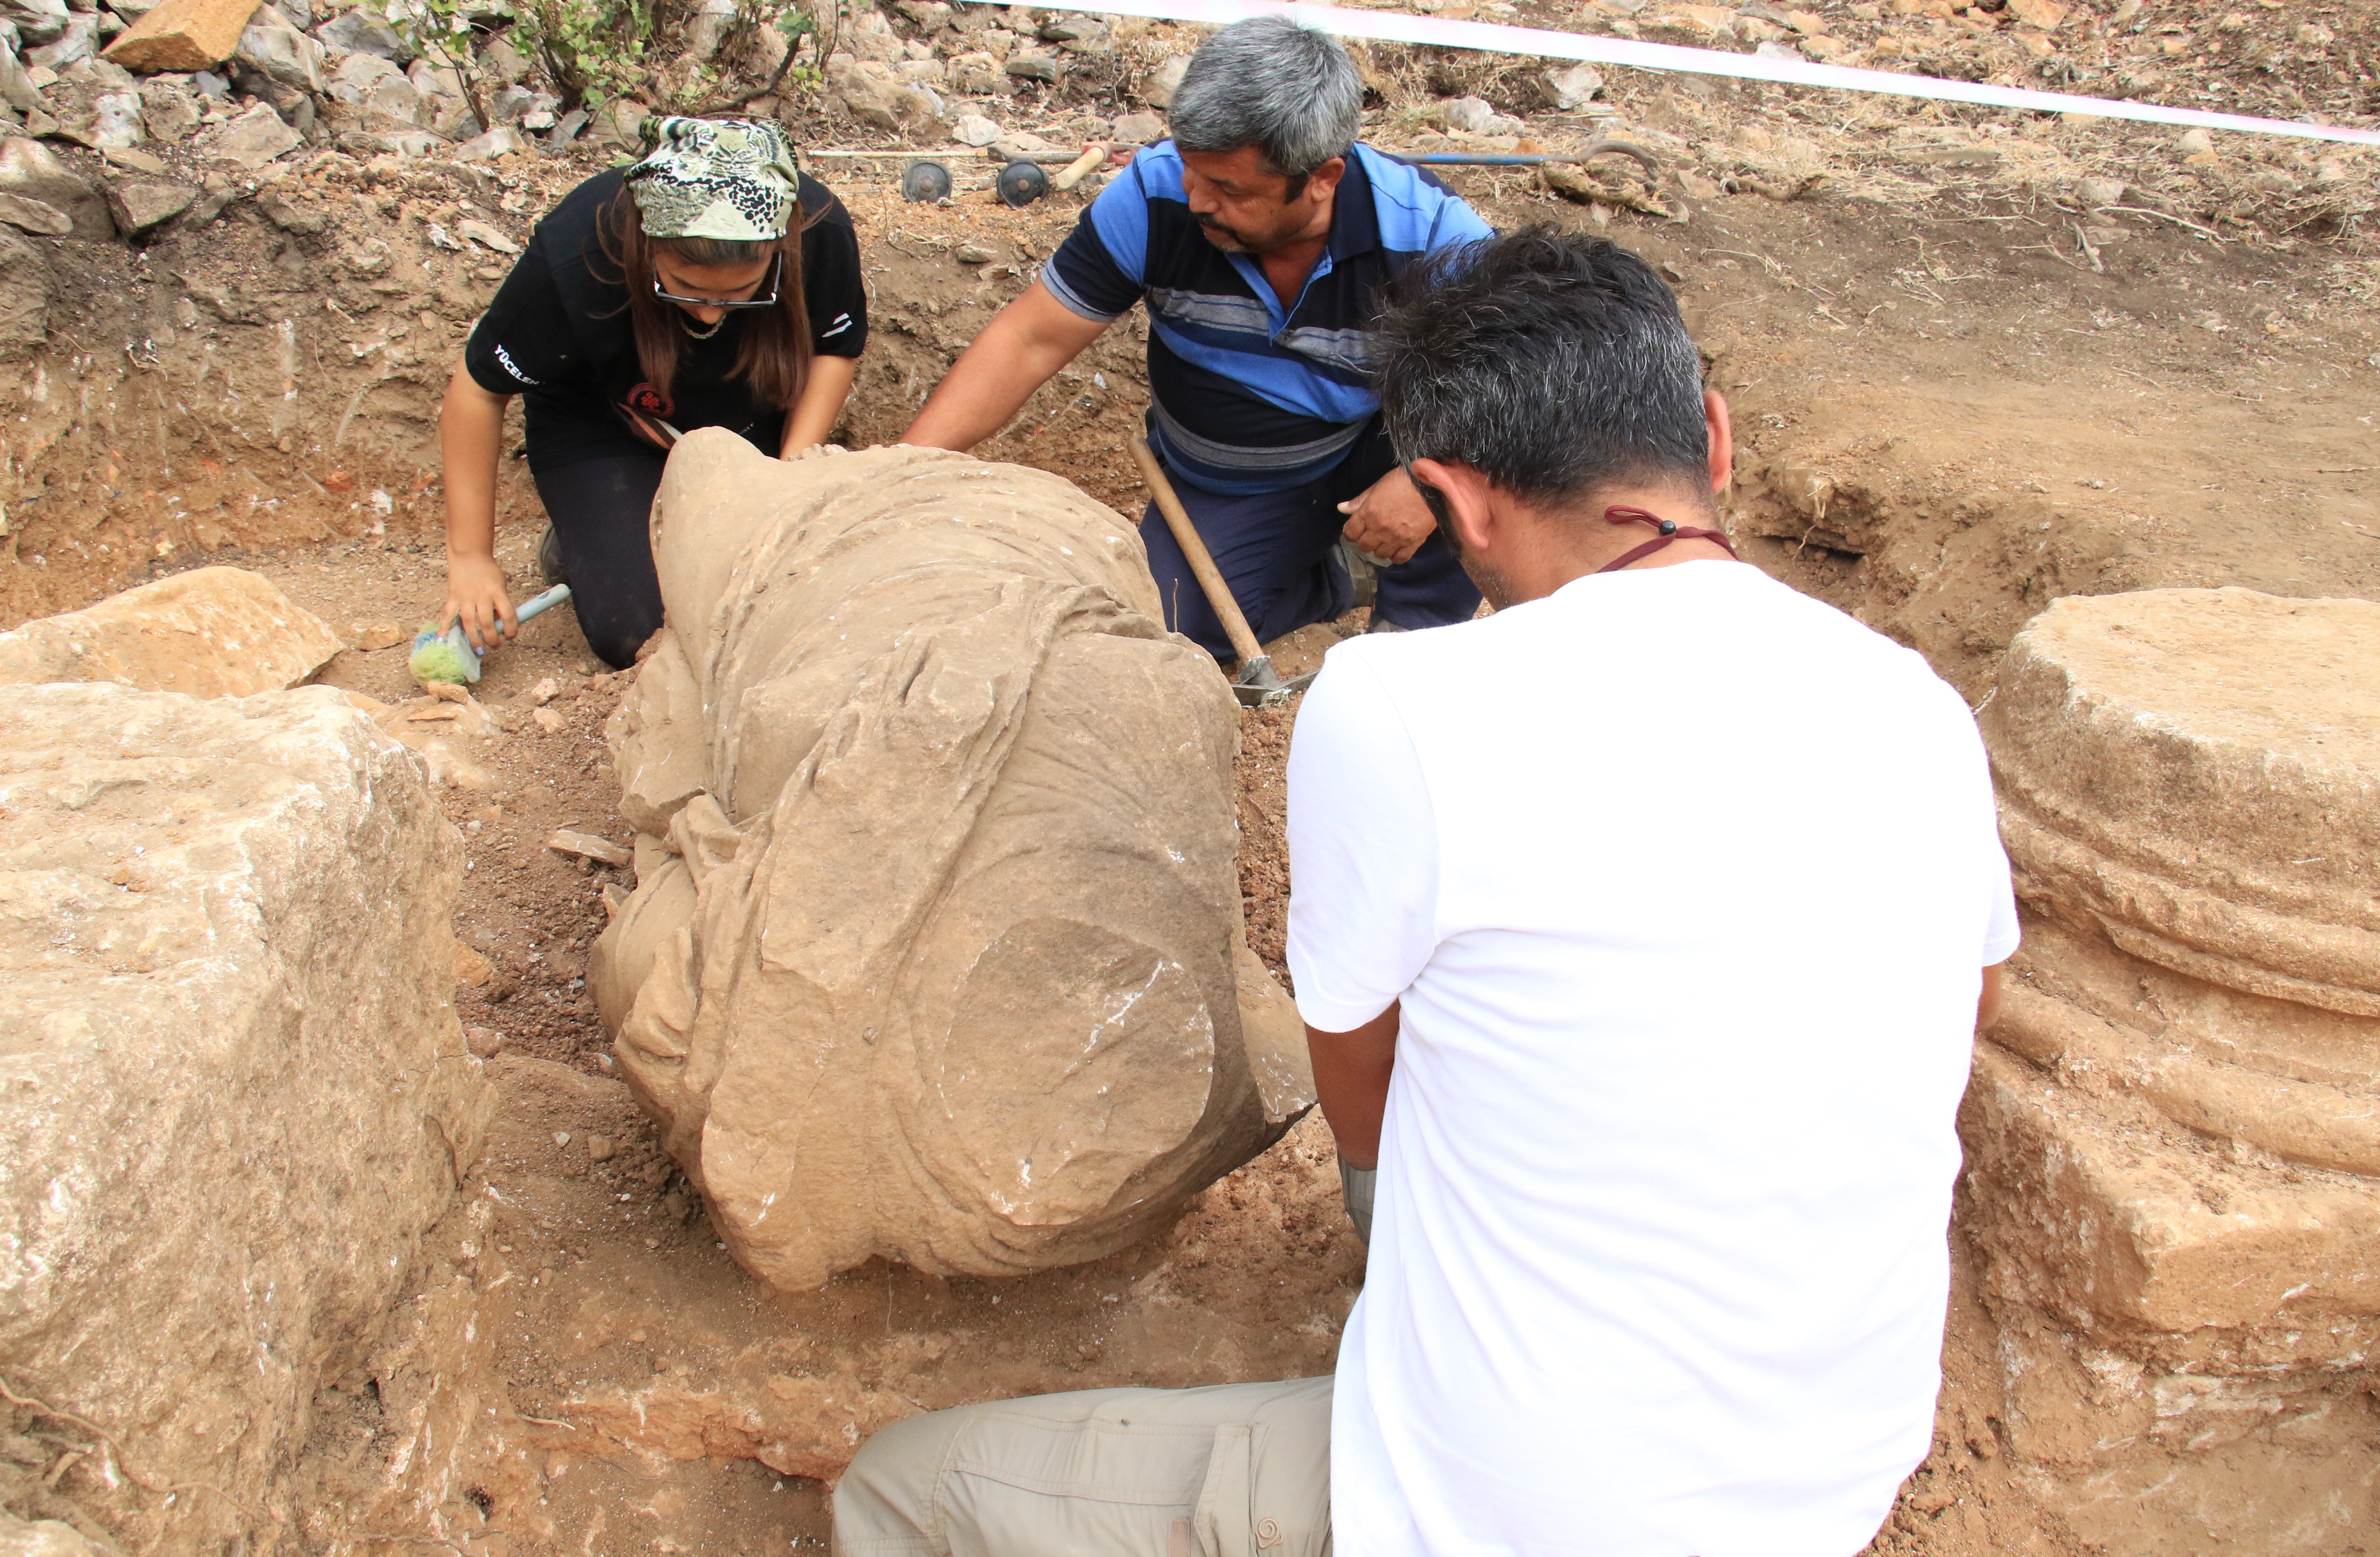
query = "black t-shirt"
x=558 y=336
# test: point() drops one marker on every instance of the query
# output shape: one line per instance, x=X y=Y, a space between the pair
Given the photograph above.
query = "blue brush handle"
x=542 y=604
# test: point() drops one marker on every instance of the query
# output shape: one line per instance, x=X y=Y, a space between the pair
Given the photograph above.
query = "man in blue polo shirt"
x=1262 y=237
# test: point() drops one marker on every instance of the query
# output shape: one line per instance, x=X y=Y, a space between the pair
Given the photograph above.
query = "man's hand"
x=1025 y=343
x=1350 y=1082
x=476 y=596
x=1389 y=519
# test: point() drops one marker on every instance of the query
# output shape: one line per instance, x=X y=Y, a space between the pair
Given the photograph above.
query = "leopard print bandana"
x=720 y=179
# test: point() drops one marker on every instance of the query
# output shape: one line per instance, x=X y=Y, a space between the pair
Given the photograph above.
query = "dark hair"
x=1291 y=92
x=773 y=350
x=1553 y=363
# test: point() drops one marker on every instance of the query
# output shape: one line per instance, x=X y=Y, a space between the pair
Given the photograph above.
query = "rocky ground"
x=1977 y=360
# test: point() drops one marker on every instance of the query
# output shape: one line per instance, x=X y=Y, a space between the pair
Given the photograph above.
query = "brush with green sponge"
x=448 y=656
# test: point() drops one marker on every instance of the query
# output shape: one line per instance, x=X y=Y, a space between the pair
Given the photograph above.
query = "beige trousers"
x=1235 y=1471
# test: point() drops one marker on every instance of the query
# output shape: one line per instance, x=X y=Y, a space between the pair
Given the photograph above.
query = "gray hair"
x=1291 y=92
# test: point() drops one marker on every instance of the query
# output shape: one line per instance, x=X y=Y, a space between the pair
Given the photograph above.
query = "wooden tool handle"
x=1074 y=172
x=1186 y=535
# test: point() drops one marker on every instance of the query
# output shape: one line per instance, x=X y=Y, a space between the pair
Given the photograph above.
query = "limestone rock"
x=37 y=21
x=868 y=90
x=183 y=35
x=935 y=952
x=16 y=88
x=168 y=112
x=213 y=632
x=1473 y=116
x=974 y=129
x=32 y=171
x=2175 y=1163
x=43 y=1537
x=975 y=74
x=1573 y=86
x=272 y=48
x=24 y=298
x=1164 y=81
x=1031 y=66
x=236 y=1093
x=1143 y=128
x=363 y=31
x=253 y=138
x=34 y=217
x=499 y=141
x=143 y=204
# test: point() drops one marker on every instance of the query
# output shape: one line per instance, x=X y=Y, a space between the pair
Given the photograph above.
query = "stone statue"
x=936 y=950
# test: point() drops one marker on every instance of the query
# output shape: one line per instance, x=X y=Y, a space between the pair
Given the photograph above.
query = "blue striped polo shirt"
x=1250 y=396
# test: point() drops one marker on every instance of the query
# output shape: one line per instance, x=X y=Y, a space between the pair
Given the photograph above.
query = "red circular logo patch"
x=651 y=401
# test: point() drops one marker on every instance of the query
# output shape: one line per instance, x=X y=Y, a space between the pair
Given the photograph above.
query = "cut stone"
x=935 y=952
x=183 y=35
x=237 y=1092
x=2174 y=1129
x=213 y=632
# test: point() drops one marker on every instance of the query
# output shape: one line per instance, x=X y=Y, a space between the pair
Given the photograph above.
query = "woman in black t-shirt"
x=710 y=285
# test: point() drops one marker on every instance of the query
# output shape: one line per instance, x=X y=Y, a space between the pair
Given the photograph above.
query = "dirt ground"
x=1958 y=394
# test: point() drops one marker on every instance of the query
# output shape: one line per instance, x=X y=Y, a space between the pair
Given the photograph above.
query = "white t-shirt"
x=1686 y=881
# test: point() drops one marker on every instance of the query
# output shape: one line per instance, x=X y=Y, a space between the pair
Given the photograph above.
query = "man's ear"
x=1323 y=180
x=1722 y=440
x=1464 y=492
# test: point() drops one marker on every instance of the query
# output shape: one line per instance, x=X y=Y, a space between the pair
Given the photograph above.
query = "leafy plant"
x=593 y=51
x=441 y=31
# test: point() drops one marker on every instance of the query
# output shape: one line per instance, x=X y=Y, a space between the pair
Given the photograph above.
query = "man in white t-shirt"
x=1653 y=1023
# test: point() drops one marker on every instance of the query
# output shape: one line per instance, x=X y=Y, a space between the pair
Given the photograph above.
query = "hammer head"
x=1260 y=686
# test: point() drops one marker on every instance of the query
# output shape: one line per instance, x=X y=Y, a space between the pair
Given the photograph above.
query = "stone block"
x=935 y=952
x=213 y=632
x=2174 y=1131
x=183 y=35
x=235 y=1093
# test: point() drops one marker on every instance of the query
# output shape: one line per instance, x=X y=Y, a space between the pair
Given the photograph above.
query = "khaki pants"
x=1235 y=1471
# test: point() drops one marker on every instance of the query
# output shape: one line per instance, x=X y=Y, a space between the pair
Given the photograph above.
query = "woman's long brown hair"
x=774 y=353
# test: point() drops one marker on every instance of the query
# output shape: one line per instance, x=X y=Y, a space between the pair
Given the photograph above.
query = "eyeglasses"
x=776 y=272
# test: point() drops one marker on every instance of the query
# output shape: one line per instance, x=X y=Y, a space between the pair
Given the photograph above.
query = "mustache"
x=1214 y=227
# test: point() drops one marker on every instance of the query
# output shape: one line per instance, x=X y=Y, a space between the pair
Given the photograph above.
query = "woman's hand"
x=470 y=431
x=476 y=596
